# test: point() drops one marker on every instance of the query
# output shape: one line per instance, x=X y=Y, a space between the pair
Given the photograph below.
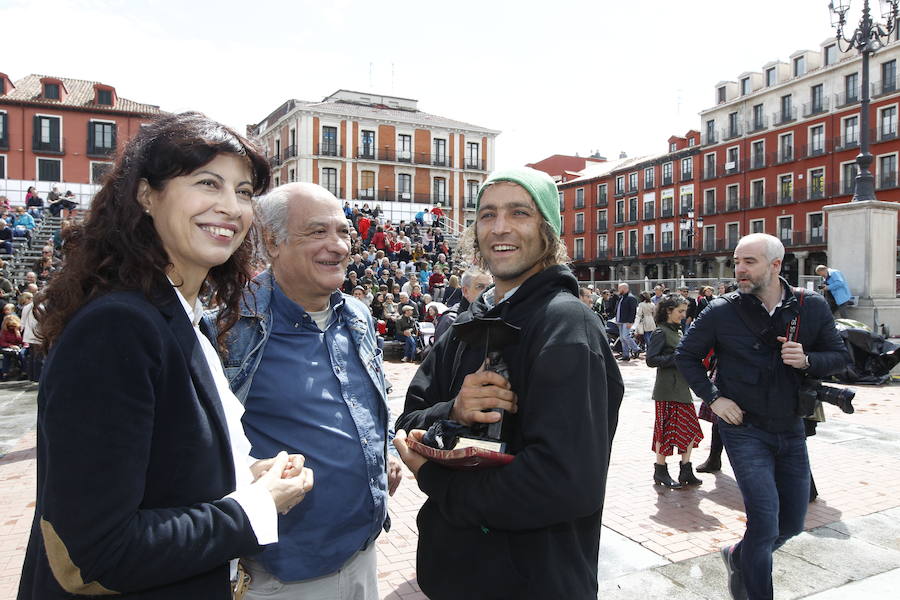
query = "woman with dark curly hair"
x=676 y=420
x=144 y=488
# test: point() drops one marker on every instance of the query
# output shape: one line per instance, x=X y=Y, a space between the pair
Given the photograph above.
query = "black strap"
x=760 y=326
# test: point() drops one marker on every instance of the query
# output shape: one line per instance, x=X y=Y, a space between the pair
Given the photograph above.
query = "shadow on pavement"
x=16 y=456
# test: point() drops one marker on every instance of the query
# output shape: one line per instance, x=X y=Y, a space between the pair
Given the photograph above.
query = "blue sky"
x=555 y=77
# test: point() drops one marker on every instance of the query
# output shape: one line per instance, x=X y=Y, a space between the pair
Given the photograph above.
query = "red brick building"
x=61 y=130
x=562 y=167
x=778 y=146
x=622 y=219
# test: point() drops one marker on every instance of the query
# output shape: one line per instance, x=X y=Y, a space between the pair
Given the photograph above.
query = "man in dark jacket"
x=625 y=314
x=767 y=338
x=531 y=528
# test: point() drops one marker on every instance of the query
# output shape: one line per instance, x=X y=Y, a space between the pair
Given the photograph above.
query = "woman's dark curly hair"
x=117 y=247
x=665 y=307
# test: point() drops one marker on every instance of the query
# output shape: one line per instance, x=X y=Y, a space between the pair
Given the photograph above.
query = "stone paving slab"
x=877 y=587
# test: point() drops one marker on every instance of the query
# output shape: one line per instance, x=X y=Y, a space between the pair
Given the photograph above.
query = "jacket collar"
x=171 y=308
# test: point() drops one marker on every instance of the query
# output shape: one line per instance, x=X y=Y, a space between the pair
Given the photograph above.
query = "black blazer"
x=134 y=461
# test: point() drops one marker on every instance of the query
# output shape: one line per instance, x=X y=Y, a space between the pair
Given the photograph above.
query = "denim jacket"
x=248 y=337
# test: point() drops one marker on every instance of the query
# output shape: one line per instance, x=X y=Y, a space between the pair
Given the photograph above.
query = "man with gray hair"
x=473 y=282
x=769 y=339
x=304 y=361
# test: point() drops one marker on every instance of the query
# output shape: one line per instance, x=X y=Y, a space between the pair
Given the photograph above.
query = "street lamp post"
x=692 y=229
x=868 y=37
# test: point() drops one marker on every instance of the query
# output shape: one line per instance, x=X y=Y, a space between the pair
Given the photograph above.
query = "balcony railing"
x=649 y=248
x=337 y=191
x=602 y=201
x=56 y=146
x=729 y=133
x=649 y=214
x=602 y=253
x=687 y=175
x=686 y=244
x=781 y=117
x=95 y=150
x=275 y=160
x=732 y=205
x=879 y=88
x=667 y=211
x=667 y=180
x=889 y=133
x=758 y=161
x=668 y=246
x=758 y=124
x=709 y=172
x=758 y=201
x=366 y=153
x=844 y=99
x=709 y=208
x=684 y=209
x=632 y=189
x=602 y=226
x=579 y=203
x=732 y=167
x=887 y=180
x=815 y=149
x=473 y=164
x=633 y=251
x=708 y=138
x=815 y=108
x=470 y=202
x=785 y=154
x=649 y=183
x=786 y=196
x=579 y=229
x=329 y=149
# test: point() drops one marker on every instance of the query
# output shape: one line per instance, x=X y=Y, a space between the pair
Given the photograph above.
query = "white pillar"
x=592 y=270
x=721 y=260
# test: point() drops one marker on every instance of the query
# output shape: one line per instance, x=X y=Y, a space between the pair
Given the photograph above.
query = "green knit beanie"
x=538 y=184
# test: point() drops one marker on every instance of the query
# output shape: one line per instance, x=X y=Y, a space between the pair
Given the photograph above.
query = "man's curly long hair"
x=117 y=248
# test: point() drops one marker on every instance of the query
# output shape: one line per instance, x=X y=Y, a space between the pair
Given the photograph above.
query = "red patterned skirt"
x=676 y=427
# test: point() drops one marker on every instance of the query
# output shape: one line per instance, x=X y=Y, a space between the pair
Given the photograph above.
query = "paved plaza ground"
x=655 y=543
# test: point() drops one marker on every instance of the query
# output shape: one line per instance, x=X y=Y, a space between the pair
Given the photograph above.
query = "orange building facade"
x=380 y=150
x=61 y=131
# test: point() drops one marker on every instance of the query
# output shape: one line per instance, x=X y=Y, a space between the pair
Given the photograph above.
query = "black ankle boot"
x=661 y=477
x=686 y=475
x=713 y=464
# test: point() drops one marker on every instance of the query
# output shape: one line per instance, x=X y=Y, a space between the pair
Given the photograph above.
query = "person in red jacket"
x=436 y=283
x=11 y=342
x=379 y=240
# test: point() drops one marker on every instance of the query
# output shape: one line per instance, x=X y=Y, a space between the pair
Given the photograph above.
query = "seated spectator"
x=399 y=278
x=34 y=203
x=437 y=282
x=417 y=252
x=407 y=330
x=25 y=298
x=390 y=309
x=30 y=278
x=363 y=295
x=46 y=269
x=22 y=223
x=59 y=236
x=405 y=301
x=453 y=293
x=46 y=252
x=34 y=354
x=350 y=283
x=4 y=203
x=377 y=307
x=6 y=236
x=12 y=345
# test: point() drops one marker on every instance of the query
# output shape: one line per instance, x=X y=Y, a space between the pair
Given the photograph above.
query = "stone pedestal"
x=862 y=244
x=721 y=260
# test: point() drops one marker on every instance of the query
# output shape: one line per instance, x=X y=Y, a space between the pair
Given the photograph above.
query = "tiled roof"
x=80 y=95
x=363 y=111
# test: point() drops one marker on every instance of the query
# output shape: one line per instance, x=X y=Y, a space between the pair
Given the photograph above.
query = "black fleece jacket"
x=530 y=529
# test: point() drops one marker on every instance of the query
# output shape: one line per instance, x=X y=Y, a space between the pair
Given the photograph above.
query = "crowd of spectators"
x=406 y=273
x=19 y=343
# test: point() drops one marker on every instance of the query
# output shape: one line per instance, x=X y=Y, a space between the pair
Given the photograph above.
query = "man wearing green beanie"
x=531 y=528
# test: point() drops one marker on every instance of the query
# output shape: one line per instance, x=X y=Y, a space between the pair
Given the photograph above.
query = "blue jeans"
x=647 y=336
x=409 y=346
x=772 y=471
x=9 y=357
x=629 y=346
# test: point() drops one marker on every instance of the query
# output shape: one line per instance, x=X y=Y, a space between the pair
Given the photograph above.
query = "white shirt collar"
x=194 y=314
